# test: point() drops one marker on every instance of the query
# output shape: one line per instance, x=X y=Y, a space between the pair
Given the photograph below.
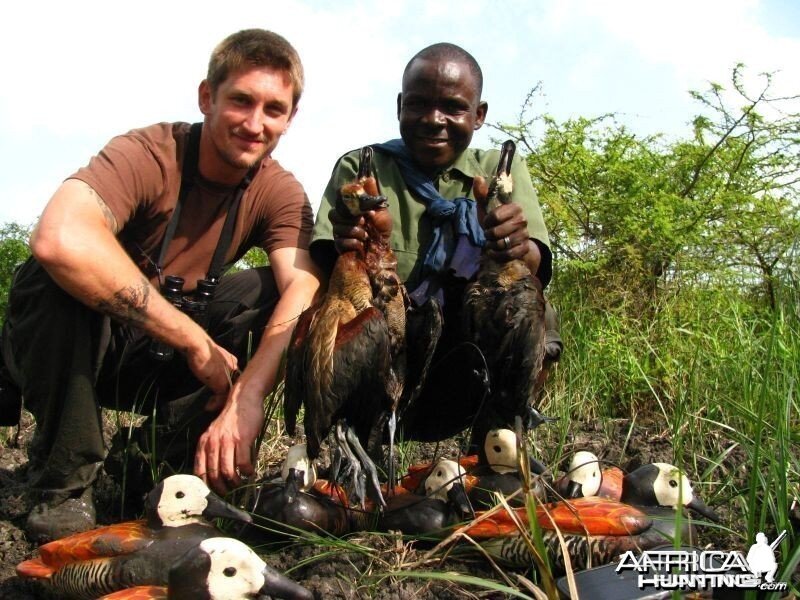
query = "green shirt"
x=412 y=230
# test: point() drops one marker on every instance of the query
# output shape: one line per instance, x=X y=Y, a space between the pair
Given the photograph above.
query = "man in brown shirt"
x=84 y=311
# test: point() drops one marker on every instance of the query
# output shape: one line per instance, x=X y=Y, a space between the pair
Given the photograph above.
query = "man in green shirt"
x=439 y=109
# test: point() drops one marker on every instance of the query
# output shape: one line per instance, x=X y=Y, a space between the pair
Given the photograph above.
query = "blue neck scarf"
x=457 y=235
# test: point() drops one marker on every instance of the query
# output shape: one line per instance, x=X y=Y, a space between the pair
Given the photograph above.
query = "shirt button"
x=446 y=177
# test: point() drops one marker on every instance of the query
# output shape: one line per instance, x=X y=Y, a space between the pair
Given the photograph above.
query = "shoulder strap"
x=190 y=157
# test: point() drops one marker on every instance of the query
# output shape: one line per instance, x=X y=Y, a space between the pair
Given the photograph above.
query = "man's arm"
x=224 y=451
x=75 y=241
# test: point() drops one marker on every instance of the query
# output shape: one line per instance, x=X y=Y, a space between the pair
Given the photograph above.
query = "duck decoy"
x=504 y=316
x=662 y=484
x=597 y=530
x=299 y=501
x=585 y=478
x=346 y=360
x=444 y=504
x=501 y=472
x=218 y=569
x=132 y=553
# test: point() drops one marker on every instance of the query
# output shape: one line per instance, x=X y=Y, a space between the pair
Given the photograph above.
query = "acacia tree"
x=630 y=214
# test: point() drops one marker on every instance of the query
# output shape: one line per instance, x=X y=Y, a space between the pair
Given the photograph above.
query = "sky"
x=76 y=73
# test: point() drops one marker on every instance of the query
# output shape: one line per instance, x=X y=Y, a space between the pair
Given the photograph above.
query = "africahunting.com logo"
x=691 y=569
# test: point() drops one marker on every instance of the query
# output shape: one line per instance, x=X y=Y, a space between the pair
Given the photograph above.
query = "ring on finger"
x=507 y=242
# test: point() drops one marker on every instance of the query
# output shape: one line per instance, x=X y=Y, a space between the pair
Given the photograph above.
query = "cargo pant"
x=69 y=360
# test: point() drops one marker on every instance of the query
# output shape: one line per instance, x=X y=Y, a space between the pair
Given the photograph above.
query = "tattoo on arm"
x=128 y=304
x=108 y=216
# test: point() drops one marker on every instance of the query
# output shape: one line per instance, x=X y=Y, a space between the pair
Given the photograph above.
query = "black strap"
x=188 y=174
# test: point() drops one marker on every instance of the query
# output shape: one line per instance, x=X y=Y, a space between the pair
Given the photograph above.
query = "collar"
x=466 y=164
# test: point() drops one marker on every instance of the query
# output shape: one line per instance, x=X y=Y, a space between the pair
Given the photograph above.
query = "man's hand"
x=506 y=230
x=224 y=451
x=214 y=366
x=348 y=232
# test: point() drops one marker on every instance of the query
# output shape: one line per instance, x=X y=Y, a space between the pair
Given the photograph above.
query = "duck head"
x=501 y=451
x=446 y=483
x=298 y=471
x=662 y=484
x=183 y=499
x=584 y=475
x=226 y=569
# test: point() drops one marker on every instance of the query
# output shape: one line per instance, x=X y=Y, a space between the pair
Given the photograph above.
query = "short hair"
x=255 y=47
x=447 y=51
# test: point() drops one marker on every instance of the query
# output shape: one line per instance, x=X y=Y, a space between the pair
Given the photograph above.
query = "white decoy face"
x=183 y=500
x=671 y=487
x=501 y=450
x=584 y=468
x=236 y=572
x=445 y=473
x=297 y=458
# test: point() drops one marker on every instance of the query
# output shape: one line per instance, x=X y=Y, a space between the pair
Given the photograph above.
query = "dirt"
x=368 y=565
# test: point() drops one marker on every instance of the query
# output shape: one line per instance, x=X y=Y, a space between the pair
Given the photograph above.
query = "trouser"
x=455 y=395
x=69 y=360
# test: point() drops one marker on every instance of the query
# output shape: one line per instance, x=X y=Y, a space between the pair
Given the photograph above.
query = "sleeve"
x=291 y=217
x=126 y=174
x=524 y=195
x=322 y=249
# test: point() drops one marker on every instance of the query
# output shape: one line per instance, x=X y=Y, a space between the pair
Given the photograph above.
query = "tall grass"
x=718 y=375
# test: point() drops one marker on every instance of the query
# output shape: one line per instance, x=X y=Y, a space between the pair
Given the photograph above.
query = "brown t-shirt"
x=138 y=175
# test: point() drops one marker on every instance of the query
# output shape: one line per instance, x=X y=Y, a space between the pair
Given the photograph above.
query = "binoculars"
x=195 y=305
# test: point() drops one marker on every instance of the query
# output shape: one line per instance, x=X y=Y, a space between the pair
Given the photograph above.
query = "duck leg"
x=371 y=472
x=352 y=465
x=392 y=428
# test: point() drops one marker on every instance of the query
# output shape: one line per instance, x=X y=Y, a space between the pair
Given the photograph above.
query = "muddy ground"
x=361 y=568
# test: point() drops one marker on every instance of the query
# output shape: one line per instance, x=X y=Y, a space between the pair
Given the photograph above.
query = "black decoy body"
x=106 y=559
x=299 y=501
x=219 y=569
x=444 y=504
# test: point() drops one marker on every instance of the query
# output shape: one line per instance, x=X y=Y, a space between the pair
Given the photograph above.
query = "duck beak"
x=457 y=495
x=217 y=508
x=294 y=481
x=574 y=490
x=277 y=585
x=700 y=507
x=368 y=203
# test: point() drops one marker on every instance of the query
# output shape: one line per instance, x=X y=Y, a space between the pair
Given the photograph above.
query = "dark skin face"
x=439 y=109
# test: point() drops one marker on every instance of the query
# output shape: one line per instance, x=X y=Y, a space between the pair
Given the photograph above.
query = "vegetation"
x=676 y=265
x=676 y=279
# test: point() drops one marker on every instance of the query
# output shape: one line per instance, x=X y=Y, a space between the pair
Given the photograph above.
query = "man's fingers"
x=227 y=464
x=244 y=459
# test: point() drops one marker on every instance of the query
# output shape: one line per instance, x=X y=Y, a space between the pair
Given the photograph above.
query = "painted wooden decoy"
x=504 y=316
x=218 y=569
x=501 y=473
x=585 y=478
x=597 y=530
x=346 y=360
x=106 y=559
x=444 y=504
x=299 y=501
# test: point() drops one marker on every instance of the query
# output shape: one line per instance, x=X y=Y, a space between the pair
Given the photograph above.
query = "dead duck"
x=597 y=530
x=218 y=569
x=106 y=559
x=299 y=501
x=503 y=314
x=444 y=504
x=346 y=361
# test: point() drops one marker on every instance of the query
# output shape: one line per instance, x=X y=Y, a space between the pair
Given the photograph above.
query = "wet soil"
x=363 y=565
